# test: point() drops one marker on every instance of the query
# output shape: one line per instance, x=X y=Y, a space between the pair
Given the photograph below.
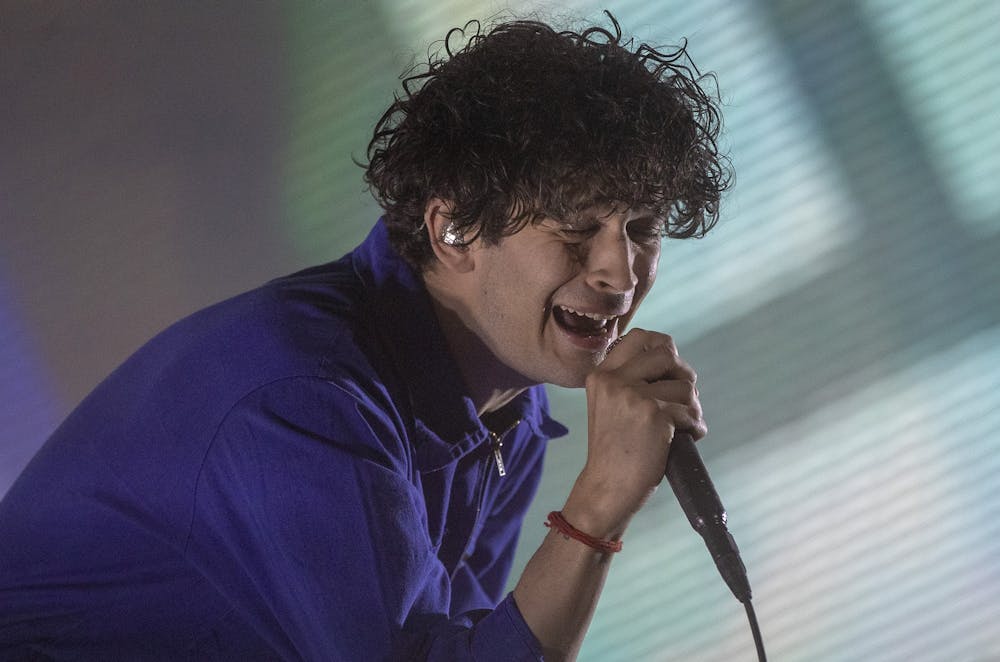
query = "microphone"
x=689 y=479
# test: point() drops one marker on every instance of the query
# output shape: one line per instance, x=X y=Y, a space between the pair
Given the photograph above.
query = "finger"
x=658 y=362
x=677 y=391
x=642 y=354
x=627 y=346
x=683 y=418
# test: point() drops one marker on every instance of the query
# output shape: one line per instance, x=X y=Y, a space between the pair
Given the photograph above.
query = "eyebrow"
x=579 y=220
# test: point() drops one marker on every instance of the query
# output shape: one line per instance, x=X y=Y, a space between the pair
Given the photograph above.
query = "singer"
x=335 y=466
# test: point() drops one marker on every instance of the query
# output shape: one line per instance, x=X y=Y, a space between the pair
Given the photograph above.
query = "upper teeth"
x=593 y=316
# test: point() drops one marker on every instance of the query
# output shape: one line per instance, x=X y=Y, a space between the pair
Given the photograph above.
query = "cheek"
x=645 y=270
x=551 y=267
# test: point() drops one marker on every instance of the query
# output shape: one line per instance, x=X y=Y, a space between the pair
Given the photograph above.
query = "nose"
x=610 y=262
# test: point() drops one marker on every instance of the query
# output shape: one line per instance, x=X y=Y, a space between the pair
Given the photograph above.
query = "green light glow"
x=844 y=317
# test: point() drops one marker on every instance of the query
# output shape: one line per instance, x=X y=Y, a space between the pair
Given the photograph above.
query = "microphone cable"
x=755 y=630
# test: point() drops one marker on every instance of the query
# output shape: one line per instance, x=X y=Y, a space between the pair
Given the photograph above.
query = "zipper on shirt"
x=497 y=445
x=497 y=455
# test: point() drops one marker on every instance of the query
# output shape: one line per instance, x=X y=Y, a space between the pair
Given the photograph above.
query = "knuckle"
x=691 y=391
x=670 y=348
x=653 y=340
x=641 y=336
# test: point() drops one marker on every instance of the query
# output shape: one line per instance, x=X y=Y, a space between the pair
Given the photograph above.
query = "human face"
x=552 y=297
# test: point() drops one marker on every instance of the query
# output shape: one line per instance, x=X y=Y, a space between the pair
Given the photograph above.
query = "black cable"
x=755 y=629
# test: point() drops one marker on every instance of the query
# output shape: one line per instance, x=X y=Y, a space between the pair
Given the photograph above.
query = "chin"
x=571 y=383
x=568 y=377
x=563 y=371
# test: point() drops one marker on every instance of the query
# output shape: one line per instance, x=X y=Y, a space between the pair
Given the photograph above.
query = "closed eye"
x=645 y=232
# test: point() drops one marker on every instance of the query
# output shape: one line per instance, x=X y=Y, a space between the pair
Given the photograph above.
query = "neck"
x=489 y=382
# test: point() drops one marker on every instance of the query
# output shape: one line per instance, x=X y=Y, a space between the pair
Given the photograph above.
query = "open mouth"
x=586 y=325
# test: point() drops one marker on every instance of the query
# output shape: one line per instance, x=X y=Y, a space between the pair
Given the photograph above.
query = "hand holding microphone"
x=636 y=398
x=685 y=470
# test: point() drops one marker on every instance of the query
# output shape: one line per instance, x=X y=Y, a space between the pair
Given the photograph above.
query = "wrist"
x=558 y=521
x=592 y=507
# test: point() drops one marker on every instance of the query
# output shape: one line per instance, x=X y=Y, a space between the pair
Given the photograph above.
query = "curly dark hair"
x=523 y=122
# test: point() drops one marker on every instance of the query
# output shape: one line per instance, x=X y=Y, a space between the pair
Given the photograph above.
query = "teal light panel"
x=844 y=316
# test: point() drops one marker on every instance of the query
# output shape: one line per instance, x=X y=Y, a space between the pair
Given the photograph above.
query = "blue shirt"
x=295 y=473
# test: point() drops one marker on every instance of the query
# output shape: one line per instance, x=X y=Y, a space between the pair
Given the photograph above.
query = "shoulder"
x=309 y=324
x=296 y=337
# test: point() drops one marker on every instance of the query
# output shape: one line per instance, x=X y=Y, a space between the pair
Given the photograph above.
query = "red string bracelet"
x=559 y=523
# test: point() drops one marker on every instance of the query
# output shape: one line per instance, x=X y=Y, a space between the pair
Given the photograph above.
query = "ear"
x=452 y=256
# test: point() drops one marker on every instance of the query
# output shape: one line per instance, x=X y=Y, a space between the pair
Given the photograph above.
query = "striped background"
x=844 y=316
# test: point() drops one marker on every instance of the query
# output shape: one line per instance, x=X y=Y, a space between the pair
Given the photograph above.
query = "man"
x=336 y=465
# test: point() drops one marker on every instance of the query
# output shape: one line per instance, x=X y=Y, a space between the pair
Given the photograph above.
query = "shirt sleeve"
x=306 y=520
